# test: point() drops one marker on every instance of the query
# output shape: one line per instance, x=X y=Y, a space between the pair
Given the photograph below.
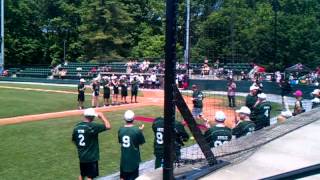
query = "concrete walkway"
x=292 y=151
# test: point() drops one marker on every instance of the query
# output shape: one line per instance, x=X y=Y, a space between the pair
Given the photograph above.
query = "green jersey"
x=106 y=88
x=130 y=139
x=218 y=135
x=243 y=128
x=158 y=129
x=262 y=111
x=85 y=137
x=134 y=85
x=251 y=101
x=197 y=99
x=81 y=88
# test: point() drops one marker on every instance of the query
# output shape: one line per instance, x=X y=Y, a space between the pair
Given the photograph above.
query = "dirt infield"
x=150 y=97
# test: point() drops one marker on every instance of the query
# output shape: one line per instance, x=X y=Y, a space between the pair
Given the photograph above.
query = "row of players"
x=130 y=138
x=119 y=86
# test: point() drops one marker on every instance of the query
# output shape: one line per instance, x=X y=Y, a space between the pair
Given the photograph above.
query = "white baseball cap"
x=316 y=91
x=220 y=116
x=244 y=110
x=82 y=80
x=129 y=116
x=253 y=87
x=104 y=77
x=262 y=96
x=90 y=112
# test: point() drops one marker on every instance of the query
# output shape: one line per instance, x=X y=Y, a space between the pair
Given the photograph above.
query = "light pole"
x=2 y=37
x=64 y=51
x=275 y=7
x=187 y=42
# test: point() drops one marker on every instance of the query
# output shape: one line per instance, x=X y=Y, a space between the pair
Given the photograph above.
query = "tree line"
x=274 y=33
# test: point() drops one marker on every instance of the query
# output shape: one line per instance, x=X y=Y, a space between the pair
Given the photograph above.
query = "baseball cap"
x=129 y=116
x=244 y=110
x=253 y=88
x=262 y=96
x=298 y=93
x=90 y=112
x=220 y=116
x=316 y=91
x=82 y=80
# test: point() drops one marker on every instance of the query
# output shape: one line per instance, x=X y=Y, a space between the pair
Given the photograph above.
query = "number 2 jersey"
x=218 y=135
x=158 y=129
x=85 y=137
x=130 y=139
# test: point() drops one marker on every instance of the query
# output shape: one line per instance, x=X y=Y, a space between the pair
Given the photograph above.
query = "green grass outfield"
x=43 y=150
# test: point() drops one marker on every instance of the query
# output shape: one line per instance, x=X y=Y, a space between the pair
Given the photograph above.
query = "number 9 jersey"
x=130 y=138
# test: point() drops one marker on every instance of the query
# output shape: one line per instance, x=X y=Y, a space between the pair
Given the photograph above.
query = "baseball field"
x=43 y=149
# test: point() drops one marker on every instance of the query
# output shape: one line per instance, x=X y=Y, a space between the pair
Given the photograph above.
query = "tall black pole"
x=275 y=5
x=170 y=75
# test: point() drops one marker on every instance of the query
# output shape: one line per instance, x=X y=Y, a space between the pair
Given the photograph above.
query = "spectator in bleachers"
x=205 y=68
x=129 y=66
x=5 y=73
x=63 y=73
x=153 y=79
x=141 y=81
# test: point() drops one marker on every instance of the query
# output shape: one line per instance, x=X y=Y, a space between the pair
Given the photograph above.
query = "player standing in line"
x=81 y=96
x=106 y=91
x=134 y=89
x=197 y=100
x=115 y=85
x=95 y=86
x=219 y=133
x=85 y=137
x=244 y=126
x=130 y=138
x=158 y=130
x=262 y=110
x=124 y=91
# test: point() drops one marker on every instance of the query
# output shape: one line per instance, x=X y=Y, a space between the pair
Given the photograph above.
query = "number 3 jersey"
x=218 y=135
x=85 y=137
x=130 y=139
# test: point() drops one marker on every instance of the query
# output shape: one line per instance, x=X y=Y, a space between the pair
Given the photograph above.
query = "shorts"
x=134 y=93
x=116 y=91
x=106 y=96
x=80 y=97
x=129 y=175
x=90 y=169
x=197 y=112
x=95 y=94
x=124 y=93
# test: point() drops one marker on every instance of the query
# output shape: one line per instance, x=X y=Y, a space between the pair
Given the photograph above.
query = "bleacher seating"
x=34 y=72
x=238 y=67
